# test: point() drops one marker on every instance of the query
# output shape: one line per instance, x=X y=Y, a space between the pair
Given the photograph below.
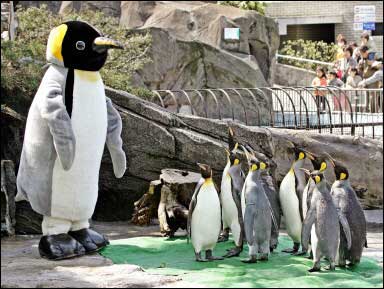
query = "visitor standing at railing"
x=376 y=79
x=347 y=62
x=341 y=44
x=353 y=78
x=367 y=40
x=356 y=53
x=340 y=101
x=365 y=64
x=320 y=80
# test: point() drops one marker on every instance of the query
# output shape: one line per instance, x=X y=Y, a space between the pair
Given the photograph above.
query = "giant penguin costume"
x=349 y=207
x=68 y=124
x=204 y=216
x=324 y=216
x=290 y=193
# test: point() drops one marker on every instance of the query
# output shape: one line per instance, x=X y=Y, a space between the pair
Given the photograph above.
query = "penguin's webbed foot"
x=251 y=259
x=289 y=250
x=91 y=240
x=198 y=257
x=295 y=249
x=234 y=252
x=210 y=257
x=297 y=253
x=263 y=257
x=58 y=247
x=314 y=269
x=223 y=238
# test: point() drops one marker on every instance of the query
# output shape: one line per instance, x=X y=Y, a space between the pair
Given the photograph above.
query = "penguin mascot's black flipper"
x=68 y=124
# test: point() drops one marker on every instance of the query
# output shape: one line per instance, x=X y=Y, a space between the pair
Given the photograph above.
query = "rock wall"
x=288 y=75
x=155 y=139
x=202 y=22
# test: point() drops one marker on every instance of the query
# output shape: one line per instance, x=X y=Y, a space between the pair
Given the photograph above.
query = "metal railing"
x=322 y=109
x=289 y=57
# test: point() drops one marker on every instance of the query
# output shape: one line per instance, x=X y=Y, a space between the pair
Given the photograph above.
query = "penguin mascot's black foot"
x=210 y=257
x=58 y=247
x=91 y=240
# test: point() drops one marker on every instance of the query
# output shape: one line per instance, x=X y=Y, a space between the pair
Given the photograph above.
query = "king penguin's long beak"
x=330 y=159
x=102 y=44
x=309 y=155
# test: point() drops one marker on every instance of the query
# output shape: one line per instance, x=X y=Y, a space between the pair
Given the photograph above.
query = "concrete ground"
x=21 y=265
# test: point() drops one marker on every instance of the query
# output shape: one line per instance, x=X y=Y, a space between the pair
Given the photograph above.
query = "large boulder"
x=203 y=22
x=155 y=139
x=109 y=8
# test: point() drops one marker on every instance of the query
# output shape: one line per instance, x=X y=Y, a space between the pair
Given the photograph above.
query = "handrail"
x=303 y=59
x=288 y=107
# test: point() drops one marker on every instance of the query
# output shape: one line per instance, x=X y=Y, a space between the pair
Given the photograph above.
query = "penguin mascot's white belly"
x=206 y=221
x=229 y=208
x=74 y=192
x=290 y=206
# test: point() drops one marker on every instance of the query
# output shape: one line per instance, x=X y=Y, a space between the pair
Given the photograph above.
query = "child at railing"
x=320 y=80
x=353 y=78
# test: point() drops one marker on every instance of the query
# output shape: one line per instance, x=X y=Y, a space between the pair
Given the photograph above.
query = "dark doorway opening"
x=315 y=32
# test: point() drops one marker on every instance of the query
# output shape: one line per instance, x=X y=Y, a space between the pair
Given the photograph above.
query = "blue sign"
x=369 y=26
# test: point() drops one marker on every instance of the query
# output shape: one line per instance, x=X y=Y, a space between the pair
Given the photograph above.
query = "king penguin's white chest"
x=74 y=192
x=290 y=206
x=206 y=221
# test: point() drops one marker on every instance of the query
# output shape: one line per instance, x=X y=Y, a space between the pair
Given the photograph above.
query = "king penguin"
x=269 y=184
x=204 y=216
x=349 y=207
x=231 y=146
x=290 y=193
x=231 y=187
x=323 y=215
x=319 y=164
x=68 y=124
x=257 y=212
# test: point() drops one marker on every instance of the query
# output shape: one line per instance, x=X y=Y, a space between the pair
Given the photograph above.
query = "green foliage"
x=314 y=50
x=22 y=60
x=246 y=5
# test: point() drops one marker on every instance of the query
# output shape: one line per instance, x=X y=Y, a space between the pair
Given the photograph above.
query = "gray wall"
x=287 y=75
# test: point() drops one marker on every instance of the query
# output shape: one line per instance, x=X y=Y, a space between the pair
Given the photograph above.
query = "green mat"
x=175 y=257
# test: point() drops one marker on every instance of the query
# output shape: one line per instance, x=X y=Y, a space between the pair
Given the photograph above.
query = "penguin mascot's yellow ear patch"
x=317 y=179
x=236 y=162
x=343 y=176
x=253 y=167
x=263 y=166
x=54 y=45
x=301 y=155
